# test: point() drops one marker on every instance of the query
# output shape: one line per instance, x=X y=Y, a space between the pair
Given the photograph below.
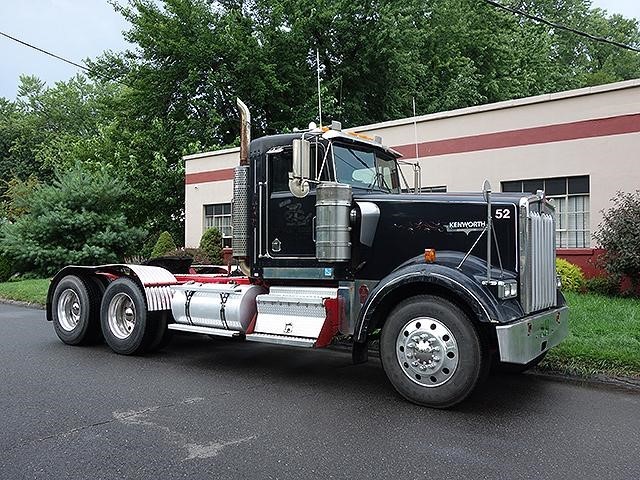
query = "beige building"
x=581 y=146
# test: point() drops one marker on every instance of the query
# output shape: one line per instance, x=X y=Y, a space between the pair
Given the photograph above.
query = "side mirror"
x=299 y=178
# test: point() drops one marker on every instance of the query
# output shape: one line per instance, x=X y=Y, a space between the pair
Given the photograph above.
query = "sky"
x=77 y=29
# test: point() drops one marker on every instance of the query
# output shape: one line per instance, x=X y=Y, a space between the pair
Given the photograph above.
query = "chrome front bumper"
x=522 y=341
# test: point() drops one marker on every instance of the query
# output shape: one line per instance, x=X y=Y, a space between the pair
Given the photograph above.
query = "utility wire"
x=559 y=26
x=45 y=52
x=70 y=62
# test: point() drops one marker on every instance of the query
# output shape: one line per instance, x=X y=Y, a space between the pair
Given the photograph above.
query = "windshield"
x=365 y=169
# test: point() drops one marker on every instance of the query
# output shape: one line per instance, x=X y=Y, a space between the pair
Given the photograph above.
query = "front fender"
x=441 y=278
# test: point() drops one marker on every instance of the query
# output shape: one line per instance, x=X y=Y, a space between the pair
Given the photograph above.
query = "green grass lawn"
x=604 y=337
x=33 y=291
x=604 y=332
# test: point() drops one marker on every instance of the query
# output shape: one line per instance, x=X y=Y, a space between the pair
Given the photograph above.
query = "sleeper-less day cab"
x=329 y=246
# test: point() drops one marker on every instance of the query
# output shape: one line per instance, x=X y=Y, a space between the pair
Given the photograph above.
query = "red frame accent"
x=331 y=323
x=221 y=279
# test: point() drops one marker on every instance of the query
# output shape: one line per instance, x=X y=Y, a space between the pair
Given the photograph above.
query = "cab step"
x=219 y=332
x=281 y=340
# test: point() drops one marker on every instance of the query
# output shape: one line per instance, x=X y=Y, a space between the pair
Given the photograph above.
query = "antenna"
x=417 y=174
x=319 y=95
x=415 y=126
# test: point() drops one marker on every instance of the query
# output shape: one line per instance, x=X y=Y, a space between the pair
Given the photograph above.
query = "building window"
x=219 y=216
x=571 y=198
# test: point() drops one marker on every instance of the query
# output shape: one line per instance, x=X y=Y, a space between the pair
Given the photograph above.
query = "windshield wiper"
x=374 y=182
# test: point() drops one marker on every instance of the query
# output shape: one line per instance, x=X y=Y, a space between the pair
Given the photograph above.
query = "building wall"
x=593 y=131
x=208 y=180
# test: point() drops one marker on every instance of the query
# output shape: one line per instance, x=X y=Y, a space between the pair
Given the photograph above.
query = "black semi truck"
x=332 y=244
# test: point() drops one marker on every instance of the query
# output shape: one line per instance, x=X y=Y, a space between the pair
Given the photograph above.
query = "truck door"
x=290 y=220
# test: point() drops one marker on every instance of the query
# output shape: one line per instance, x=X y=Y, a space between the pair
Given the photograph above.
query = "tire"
x=161 y=334
x=432 y=353
x=75 y=309
x=515 y=368
x=126 y=324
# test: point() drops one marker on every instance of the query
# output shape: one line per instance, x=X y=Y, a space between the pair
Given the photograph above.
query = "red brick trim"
x=211 y=176
x=600 y=127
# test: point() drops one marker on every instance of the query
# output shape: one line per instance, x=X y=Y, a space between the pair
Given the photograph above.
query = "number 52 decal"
x=503 y=213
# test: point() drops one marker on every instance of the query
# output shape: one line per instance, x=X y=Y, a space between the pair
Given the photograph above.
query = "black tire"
x=161 y=334
x=449 y=348
x=75 y=309
x=515 y=368
x=126 y=324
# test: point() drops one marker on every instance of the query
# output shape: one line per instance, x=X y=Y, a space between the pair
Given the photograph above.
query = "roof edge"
x=212 y=153
x=547 y=97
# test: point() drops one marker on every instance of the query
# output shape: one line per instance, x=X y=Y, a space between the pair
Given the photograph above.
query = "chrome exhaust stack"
x=241 y=187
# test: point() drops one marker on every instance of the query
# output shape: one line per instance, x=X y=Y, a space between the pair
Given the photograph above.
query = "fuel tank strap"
x=187 y=305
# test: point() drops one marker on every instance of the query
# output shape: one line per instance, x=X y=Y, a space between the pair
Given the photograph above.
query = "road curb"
x=627 y=383
x=20 y=303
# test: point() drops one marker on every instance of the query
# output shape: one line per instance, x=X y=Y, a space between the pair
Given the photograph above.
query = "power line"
x=66 y=60
x=45 y=52
x=559 y=26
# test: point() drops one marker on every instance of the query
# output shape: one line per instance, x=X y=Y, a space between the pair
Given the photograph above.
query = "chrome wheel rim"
x=427 y=352
x=69 y=310
x=122 y=315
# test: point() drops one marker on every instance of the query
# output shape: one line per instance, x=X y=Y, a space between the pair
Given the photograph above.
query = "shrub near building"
x=571 y=275
x=619 y=235
x=164 y=245
x=211 y=244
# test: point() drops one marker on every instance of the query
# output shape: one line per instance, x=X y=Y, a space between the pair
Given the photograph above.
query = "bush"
x=5 y=269
x=571 y=275
x=164 y=245
x=211 y=245
x=77 y=219
x=619 y=235
x=608 y=286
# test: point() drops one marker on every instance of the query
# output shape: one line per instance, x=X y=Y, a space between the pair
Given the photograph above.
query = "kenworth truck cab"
x=330 y=246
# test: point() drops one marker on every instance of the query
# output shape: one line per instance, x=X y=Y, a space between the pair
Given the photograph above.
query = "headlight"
x=503 y=289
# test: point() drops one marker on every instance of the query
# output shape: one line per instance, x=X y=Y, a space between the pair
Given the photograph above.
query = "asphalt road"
x=204 y=408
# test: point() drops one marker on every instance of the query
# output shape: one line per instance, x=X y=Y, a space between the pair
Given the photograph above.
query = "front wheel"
x=431 y=352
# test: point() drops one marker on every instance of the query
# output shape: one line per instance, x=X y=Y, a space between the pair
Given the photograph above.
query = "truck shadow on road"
x=315 y=372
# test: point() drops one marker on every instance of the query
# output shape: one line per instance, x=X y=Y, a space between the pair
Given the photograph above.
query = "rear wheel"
x=431 y=352
x=124 y=318
x=76 y=311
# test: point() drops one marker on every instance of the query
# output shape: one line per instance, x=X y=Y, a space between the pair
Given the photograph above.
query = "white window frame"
x=566 y=233
x=221 y=221
x=562 y=217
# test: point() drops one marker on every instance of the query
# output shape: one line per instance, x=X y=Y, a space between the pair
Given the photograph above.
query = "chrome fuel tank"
x=227 y=306
x=333 y=230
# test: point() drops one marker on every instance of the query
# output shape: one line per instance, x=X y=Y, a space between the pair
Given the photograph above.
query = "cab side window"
x=279 y=168
x=280 y=164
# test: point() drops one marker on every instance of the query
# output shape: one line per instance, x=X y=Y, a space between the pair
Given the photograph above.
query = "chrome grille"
x=537 y=255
